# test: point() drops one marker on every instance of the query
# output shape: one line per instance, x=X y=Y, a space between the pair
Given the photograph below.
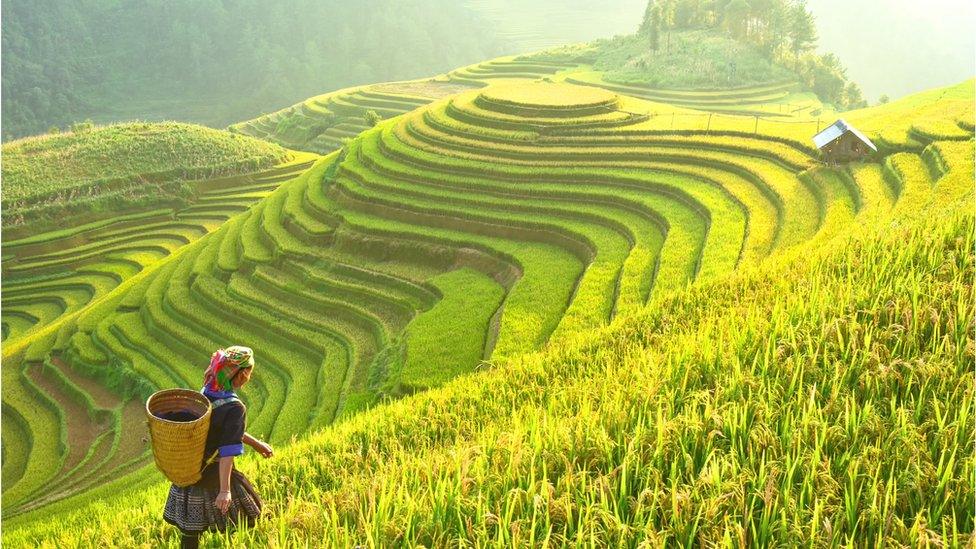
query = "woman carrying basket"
x=223 y=495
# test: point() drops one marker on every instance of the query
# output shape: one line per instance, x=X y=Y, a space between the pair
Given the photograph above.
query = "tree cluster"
x=784 y=31
x=216 y=61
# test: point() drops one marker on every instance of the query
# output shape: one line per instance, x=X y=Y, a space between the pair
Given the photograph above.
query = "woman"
x=223 y=495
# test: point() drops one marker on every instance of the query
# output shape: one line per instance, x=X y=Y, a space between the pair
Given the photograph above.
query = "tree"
x=883 y=100
x=802 y=31
x=770 y=27
x=736 y=18
x=666 y=18
x=647 y=21
x=371 y=118
x=654 y=29
x=686 y=13
x=853 y=99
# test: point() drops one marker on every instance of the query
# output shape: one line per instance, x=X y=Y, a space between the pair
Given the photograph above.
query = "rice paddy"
x=527 y=308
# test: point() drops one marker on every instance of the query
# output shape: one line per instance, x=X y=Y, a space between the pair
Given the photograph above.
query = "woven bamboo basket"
x=178 y=446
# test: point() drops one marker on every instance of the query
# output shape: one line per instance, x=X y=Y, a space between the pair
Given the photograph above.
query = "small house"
x=841 y=142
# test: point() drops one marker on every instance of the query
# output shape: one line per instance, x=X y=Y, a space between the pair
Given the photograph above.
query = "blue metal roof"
x=838 y=129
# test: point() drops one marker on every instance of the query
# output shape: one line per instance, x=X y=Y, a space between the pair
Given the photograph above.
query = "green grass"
x=509 y=226
x=696 y=59
x=75 y=172
x=55 y=273
x=451 y=337
x=321 y=123
x=786 y=427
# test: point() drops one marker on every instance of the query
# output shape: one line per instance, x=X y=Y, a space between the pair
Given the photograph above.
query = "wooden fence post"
x=755 y=130
x=709 y=122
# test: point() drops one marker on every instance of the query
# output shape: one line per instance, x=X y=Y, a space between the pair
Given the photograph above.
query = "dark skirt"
x=192 y=509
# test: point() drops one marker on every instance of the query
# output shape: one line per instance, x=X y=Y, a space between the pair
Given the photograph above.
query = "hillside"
x=825 y=398
x=541 y=24
x=85 y=211
x=323 y=123
x=542 y=209
x=698 y=63
x=215 y=62
x=47 y=179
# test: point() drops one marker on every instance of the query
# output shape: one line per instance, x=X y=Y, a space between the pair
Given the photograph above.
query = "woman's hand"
x=263 y=448
x=223 y=502
x=259 y=446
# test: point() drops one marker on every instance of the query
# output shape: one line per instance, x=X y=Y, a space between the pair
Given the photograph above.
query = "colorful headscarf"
x=224 y=365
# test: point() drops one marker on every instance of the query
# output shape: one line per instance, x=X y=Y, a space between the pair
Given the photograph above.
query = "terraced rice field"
x=772 y=99
x=322 y=124
x=484 y=225
x=509 y=68
x=56 y=273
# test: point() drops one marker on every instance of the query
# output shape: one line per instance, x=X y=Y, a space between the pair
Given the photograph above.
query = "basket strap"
x=210 y=460
x=222 y=401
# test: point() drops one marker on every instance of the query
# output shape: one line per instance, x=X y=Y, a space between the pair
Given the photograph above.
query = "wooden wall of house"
x=845 y=148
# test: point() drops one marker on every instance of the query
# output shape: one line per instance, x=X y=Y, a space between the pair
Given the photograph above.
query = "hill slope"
x=215 y=62
x=826 y=399
x=111 y=168
x=542 y=209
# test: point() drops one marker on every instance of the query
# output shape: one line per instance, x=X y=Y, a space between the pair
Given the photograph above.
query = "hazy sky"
x=889 y=46
x=900 y=46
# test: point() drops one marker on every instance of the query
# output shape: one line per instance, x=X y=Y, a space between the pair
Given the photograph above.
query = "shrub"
x=371 y=118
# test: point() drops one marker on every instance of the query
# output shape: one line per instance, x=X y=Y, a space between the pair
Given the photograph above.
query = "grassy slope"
x=698 y=59
x=83 y=168
x=310 y=527
x=826 y=399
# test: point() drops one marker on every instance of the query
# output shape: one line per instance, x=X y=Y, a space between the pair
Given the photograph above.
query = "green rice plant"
x=366 y=245
x=593 y=299
x=877 y=197
x=229 y=252
x=390 y=308
x=841 y=198
x=939 y=130
x=358 y=330
x=47 y=441
x=536 y=301
x=829 y=416
x=705 y=99
x=708 y=202
x=466 y=109
x=450 y=144
x=78 y=410
x=452 y=336
x=799 y=221
x=642 y=231
x=86 y=229
x=334 y=345
x=908 y=174
x=120 y=156
x=313 y=228
x=953 y=159
x=17 y=445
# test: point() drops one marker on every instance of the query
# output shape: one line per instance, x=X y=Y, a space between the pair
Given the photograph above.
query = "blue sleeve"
x=231 y=438
x=230 y=450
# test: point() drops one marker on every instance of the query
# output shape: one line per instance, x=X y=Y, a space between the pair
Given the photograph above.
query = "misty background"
x=893 y=47
x=222 y=61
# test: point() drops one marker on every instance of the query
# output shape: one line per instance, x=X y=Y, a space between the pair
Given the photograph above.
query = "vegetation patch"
x=696 y=59
x=450 y=338
x=106 y=168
